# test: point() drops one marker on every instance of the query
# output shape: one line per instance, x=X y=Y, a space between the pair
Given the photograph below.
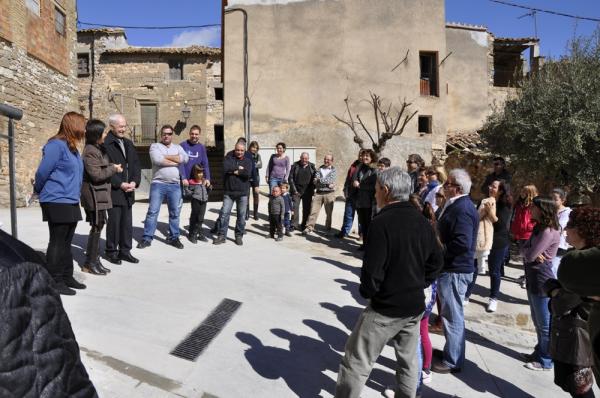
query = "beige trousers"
x=320 y=199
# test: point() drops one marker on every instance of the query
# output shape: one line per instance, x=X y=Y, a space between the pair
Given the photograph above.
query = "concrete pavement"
x=299 y=303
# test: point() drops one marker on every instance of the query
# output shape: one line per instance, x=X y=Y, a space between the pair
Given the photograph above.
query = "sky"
x=554 y=31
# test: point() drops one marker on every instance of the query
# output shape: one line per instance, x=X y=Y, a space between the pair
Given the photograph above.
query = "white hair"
x=398 y=183
x=114 y=118
x=461 y=178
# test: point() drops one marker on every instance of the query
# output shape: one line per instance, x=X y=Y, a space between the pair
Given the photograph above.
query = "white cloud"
x=210 y=37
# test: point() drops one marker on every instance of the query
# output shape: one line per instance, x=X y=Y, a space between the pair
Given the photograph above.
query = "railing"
x=12 y=114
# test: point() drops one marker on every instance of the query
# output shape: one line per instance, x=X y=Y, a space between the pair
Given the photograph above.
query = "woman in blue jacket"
x=58 y=184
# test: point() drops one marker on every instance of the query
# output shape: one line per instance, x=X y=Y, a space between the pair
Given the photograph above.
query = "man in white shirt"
x=166 y=183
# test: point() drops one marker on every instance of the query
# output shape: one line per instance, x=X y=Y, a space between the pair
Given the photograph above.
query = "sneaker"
x=279 y=239
x=219 y=240
x=192 y=238
x=202 y=238
x=492 y=305
x=389 y=392
x=143 y=244
x=239 y=241
x=426 y=376
x=307 y=231
x=175 y=243
x=536 y=366
x=465 y=302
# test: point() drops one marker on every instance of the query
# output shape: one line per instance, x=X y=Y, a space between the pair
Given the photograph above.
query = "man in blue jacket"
x=237 y=169
x=457 y=227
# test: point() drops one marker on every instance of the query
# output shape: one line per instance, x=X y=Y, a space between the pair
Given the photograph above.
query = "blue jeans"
x=540 y=315
x=348 y=217
x=158 y=192
x=274 y=182
x=241 y=206
x=451 y=290
x=495 y=262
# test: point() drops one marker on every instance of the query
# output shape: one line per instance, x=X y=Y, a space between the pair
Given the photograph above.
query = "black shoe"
x=129 y=258
x=239 y=241
x=102 y=267
x=288 y=233
x=113 y=258
x=92 y=269
x=63 y=289
x=219 y=240
x=143 y=244
x=214 y=229
x=192 y=237
x=175 y=243
x=444 y=369
x=279 y=239
x=202 y=238
x=72 y=283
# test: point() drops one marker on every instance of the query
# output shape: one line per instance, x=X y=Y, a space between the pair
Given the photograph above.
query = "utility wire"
x=562 y=14
x=148 y=27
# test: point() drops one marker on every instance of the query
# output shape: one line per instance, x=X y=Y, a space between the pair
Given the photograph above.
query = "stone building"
x=37 y=75
x=306 y=56
x=151 y=86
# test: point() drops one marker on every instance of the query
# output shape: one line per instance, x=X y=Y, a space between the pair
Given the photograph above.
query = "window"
x=425 y=124
x=83 y=64
x=429 y=73
x=175 y=70
x=59 y=21
x=219 y=93
x=33 y=6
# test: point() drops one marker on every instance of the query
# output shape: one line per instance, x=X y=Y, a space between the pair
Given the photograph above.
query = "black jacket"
x=39 y=356
x=237 y=184
x=402 y=257
x=364 y=195
x=131 y=169
x=294 y=188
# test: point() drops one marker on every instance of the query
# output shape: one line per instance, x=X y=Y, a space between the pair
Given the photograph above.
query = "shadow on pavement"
x=339 y=264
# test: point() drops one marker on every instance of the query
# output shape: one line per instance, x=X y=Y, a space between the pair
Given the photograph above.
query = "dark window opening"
x=83 y=64
x=425 y=124
x=429 y=73
x=175 y=70
x=508 y=68
x=219 y=134
x=60 y=21
x=219 y=93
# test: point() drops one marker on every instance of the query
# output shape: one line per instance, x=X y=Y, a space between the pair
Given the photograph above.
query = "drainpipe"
x=246 y=108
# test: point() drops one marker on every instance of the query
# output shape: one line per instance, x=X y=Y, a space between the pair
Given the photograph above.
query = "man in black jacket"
x=302 y=188
x=402 y=257
x=237 y=170
x=119 y=227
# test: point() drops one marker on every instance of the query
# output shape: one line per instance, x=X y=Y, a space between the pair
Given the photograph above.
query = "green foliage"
x=551 y=130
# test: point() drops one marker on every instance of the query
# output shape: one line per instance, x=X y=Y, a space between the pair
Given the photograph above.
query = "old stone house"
x=37 y=75
x=306 y=56
x=151 y=86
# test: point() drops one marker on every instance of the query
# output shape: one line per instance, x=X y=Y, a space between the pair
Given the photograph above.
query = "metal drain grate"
x=193 y=345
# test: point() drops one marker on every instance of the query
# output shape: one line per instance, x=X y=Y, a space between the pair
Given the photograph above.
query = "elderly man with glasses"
x=457 y=227
x=166 y=183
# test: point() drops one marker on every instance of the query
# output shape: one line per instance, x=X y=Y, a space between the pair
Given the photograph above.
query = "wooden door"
x=148 y=117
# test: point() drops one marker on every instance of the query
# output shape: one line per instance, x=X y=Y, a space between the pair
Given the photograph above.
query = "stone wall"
x=42 y=90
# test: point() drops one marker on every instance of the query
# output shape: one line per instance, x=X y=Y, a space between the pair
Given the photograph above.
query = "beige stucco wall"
x=468 y=73
x=305 y=57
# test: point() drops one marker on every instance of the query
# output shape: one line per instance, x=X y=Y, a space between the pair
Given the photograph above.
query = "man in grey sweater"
x=166 y=158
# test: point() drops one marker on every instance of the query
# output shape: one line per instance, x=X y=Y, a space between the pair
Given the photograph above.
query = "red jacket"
x=522 y=223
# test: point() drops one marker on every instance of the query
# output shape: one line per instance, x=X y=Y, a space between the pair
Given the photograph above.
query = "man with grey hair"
x=302 y=188
x=457 y=227
x=402 y=257
x=324 y=180
x=119 y=226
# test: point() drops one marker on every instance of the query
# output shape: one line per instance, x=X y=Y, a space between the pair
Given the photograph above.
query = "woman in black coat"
x=364 y=197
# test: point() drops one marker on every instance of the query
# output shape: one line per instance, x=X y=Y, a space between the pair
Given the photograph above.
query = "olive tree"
x=551 y=128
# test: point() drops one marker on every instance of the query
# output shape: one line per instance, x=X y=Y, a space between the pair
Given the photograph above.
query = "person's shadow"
x=339 y=264
x=301 y=366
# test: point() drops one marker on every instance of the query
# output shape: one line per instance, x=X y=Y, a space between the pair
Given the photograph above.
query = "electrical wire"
x=561 y=14
x=148 y=27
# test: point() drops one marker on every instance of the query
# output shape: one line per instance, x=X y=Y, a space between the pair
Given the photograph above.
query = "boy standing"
x=276 y=212
x=289 y=208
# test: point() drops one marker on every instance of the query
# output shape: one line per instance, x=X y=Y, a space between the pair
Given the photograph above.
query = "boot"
x=193 y=235
x=91 y=255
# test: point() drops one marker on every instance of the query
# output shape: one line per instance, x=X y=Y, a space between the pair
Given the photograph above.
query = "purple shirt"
x=279 y=167
x=197 y=155
x=545 y=243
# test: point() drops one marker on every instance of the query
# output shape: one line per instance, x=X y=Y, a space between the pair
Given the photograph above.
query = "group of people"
x=429 y=233
x=419 y=228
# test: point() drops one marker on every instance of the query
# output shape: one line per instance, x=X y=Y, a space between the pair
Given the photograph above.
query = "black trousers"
x=59 y=259
x=197 y=216
x=119 y=230
x=306 y=200
x=364 y=219
x=275 y=225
